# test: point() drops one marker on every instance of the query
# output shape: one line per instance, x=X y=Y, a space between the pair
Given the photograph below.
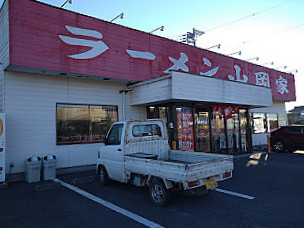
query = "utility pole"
x=191 y=37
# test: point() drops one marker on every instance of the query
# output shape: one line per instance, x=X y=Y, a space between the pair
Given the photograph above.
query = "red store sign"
x=185 y=128
x=64 y=41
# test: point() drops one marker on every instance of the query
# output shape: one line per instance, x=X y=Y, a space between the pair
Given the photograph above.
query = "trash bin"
x=32 y=169
x=49 y=167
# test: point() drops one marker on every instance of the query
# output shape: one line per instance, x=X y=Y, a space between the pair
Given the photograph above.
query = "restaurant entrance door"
x=202 y=130
x=205 y=128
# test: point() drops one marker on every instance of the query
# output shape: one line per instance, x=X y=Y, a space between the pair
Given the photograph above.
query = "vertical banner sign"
x=2 y=147
x=185 y=128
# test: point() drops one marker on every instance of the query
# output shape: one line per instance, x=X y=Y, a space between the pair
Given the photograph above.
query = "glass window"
x=272 y=122
x=146 y=130
x=233 y=130
x=83 y=123
x=202 y=131
x=218 y=130
x=243 y=126
x=296 y=129
x=157 y=113
x=152 y=112
x=163 y=113
x=114 y=137
x=259 y=123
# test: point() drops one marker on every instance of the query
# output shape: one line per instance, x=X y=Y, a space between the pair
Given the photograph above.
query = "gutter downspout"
x=123 y=92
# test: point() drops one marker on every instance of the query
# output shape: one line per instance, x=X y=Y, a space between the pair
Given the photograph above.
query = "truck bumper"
x=202 y=182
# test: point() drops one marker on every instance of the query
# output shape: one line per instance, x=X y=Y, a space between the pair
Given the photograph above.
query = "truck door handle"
x=118 y=149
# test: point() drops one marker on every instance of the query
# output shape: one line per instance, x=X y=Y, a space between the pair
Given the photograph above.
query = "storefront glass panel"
x=155 y=112
x=163 y=113
x=243 y=126
x=218 y=132
x=216 y=128
x=152 y=112
x=259 y=123
x=233 y=135
x=202 y=131
x=272 y=122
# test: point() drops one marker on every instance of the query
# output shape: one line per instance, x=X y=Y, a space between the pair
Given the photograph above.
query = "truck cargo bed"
x=182 y=166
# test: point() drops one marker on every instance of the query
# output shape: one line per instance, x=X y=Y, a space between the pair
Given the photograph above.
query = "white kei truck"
x=137 y=152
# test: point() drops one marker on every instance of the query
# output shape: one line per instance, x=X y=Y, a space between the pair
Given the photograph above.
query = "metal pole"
x=194 y=35
x=268 y=143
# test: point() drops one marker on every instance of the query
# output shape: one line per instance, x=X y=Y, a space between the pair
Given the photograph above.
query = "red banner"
x=235 y=109
x=185 y=128
x=228 y=112
x=66 y=42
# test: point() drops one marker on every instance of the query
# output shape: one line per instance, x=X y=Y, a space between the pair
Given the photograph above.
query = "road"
x=265 y=191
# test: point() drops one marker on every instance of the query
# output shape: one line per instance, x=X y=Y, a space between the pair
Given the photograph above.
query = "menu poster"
x=185 y=128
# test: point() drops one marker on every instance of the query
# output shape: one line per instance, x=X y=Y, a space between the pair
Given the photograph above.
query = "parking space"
x=25 y=205
x=274 y=180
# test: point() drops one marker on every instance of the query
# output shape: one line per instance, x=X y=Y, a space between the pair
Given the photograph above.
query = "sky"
x=272 y=30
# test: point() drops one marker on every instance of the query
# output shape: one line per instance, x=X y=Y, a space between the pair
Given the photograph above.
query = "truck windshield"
x=114 y=137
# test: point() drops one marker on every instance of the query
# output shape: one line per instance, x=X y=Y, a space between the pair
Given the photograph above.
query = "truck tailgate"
x=209 y=169
x=202 y=165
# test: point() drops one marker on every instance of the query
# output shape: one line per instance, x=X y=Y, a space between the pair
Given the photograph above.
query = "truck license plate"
x=211 y=183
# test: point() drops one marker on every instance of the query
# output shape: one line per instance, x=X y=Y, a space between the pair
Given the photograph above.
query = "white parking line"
x=234 y=193
x=111 y=206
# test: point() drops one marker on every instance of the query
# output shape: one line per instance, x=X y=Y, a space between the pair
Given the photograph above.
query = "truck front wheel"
x=159 y=194
x=103 y=176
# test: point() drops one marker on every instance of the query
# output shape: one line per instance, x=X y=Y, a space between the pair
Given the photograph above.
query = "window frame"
x=80 y=104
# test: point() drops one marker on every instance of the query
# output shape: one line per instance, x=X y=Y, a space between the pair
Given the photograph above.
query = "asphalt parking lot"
x=265 y=191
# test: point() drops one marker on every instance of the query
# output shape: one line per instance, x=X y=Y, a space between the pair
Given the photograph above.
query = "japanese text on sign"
x=185 y=128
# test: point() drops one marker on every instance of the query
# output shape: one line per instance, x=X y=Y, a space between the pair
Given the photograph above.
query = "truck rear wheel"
x=159 y=194
x=103 y=176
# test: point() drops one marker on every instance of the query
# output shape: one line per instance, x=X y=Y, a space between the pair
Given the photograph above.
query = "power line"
x=248 y=16
x=271 y=34
x=266 y=35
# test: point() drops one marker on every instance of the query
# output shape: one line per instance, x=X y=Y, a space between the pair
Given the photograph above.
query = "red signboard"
x=185 y=128
x=45 y=37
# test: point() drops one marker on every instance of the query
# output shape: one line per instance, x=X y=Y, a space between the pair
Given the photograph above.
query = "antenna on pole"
x=191 y=37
